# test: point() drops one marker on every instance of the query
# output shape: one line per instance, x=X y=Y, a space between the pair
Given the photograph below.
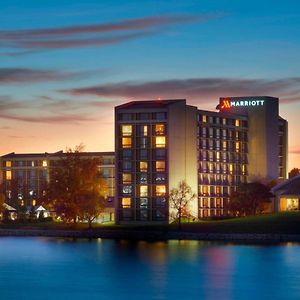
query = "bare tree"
x=180 y=199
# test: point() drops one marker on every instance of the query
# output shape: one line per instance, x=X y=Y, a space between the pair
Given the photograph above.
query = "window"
x=143 y=154
x=126 y=130
x=33 y=202
x=143 y=190
x=143 y=142
x=160 y=202
x=8 y=164
x=160 y=116
x=144 y=130
x=127 y=165
x=8 y=175
x=160 y=153
x=160 y=166
x=160 y=190
x=160 y=177
x=126 y=202
x=126 y=178
x=127 y=189
x=143 y=178
x=160 y=142
x=143 y=166
x=143 y=116
x=237 y=146
x=144 y=203
x=44 y=163
x=230 y=168
x=159 y=129
x=127 y=153
x=126 y=142
x=237 y=123
x=204 y=119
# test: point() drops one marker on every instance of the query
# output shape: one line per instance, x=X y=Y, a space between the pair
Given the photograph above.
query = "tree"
x=294 y=172
x=180 y=199
x=2 y=200
x=249 y=199
x=74 y=183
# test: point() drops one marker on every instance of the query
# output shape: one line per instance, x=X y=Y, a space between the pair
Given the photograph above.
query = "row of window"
x=142 y=116
x=224 y=121
x=142 y=130
x=217 y=156
x=144 y=178
x=222 y=145
x=144 y=190
x=205 y=167
x=157 y=142
x=143 y=215
x=142 y=154
x=220 y=179
x=144 y=202
x=225 y=134
x=25 y=163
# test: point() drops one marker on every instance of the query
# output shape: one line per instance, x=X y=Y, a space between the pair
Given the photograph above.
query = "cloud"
x=25 y=75
x=88 y=35
x=41 y=110
x=74 y=119
x=195 y=89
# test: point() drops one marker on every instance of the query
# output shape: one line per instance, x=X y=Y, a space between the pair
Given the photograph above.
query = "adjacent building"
x=25 y=176
x=161 y=142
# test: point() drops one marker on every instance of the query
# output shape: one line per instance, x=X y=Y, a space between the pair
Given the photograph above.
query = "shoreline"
x=151 y=235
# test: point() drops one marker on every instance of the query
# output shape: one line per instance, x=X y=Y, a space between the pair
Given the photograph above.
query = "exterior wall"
x=182 y=148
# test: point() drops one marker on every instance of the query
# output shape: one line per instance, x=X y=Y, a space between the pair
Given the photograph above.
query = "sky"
x=65 y=64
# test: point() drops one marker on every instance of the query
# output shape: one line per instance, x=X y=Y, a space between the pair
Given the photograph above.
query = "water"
x=41 y=268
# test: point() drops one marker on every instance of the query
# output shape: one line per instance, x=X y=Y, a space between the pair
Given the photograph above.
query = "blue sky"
x=65 y=64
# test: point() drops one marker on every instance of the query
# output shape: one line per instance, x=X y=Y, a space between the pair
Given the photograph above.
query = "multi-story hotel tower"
x=161 y=142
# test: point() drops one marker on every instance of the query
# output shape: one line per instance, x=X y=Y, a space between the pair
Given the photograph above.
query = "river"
x=52 y=268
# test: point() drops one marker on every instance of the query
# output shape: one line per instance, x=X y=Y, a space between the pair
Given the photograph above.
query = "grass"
x=283 y=223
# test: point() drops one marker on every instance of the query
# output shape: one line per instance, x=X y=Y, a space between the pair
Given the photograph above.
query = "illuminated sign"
x=227 y=103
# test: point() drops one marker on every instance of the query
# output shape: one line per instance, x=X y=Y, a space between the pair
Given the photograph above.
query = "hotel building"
x=24 y=177
x=161 y=142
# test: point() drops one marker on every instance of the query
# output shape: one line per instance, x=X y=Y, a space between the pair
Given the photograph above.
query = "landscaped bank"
x=277 y=227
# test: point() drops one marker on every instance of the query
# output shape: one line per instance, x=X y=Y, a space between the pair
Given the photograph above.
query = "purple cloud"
x=88 y=35
x=25 y=75
x=197 y=89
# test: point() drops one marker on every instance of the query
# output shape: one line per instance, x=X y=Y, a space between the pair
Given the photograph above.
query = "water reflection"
x=108 y=269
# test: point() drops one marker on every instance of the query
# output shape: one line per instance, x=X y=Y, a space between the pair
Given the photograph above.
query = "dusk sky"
x=66 y=64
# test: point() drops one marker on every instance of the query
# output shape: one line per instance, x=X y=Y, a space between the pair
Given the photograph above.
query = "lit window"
x=8 y=163
x=224 y=145
x=160 y=166
x=126 y=130
x=126 y=177
x=45 y=163
x=126 y=202
x=237 y=123
x=160 y=141
x=22 y=203
x=143 y=190
x=126 y=142
x=143 y=166
x=145 y=130
x=218 y=156
x=159 y=129
x=237 y=146
x=244 y=169
x=204 y=119
x=33 y=202
x=160 y=190
x=8 y=175
x=230 y=168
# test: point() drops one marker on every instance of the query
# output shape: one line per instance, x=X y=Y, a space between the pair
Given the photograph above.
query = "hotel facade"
x=162 y=142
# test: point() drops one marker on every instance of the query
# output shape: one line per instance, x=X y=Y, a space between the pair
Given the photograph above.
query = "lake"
x=52 y=268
